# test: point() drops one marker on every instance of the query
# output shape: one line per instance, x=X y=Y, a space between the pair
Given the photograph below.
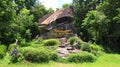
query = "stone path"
x=64 y=51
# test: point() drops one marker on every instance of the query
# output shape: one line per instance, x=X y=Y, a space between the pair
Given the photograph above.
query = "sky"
x=54 y=3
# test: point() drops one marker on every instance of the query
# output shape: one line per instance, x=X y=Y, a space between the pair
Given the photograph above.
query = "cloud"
x=54 y=3
x=50 y=3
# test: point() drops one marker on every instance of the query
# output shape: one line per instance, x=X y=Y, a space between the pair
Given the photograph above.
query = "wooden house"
x=58 y=24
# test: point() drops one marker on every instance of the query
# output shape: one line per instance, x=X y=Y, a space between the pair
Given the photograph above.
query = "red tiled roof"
x=65 y=12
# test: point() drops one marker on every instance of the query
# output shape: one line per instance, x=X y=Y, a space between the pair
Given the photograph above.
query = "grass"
x=107 y=60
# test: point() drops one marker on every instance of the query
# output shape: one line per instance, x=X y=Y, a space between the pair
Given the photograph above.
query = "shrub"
x=2 y=51
x=85 y=47
x=35 y=55
x=11 y=47
x=36 y=43
x=79 y=42
x=97 y=53
x=53 y=56
x=96 y=50
x=62 y=60
x=39 y=41
x=96 y=47
x=14 y=59
x=23 y=43
x=33 y=44
x=81 y=57
x=6 y=59
x=72 y=40
x=50 y=42
x=11 y=59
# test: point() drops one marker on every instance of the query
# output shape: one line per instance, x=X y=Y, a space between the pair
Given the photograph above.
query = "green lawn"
x=107 y=60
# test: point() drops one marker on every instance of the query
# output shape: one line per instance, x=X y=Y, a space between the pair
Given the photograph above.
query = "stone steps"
x=64 y=51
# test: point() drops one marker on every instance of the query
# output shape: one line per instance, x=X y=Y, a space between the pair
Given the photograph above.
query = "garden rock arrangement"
x=65 y=48
x=63 y=51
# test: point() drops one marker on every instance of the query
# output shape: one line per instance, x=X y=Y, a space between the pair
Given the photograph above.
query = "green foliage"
x=72 y=40
x=18 y=21
x=8 y=59
x=35 y=55
x=53 y=56
x=22 y=24
x=105 y=60
x=62 y=60
x=102 y=24
x=36 y=43
x=81 y=8
x=29 y=4
x=23 y=43
x=96 y=49
x=50 y=10
x=3 y=50
x=65 y=5
x=11 y=47
x=79 y=41
x=39 y=11
x=50 y=42
x=76 y=41
x=81 y=57
x=6 y=17
x=86 y=47
x=14 y=59
x=117 y=17
x=95 y=23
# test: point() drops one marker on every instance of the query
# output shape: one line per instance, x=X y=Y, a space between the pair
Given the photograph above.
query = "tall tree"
x=25 y=4
x=96 y=23
x=81 y=7
x=39 y=11
x=111 y=9
x=7 y=9
x=105 y=23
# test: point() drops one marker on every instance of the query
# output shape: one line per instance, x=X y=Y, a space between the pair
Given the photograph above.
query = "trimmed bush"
x=50 y=42
x=33 y=44
x=35 y=55
x=2 y=51
x=79 y=42
x=96 y=50
x=81 y=57
x=36 y=43
x=53 y=56
x=39 y=41
x=97 y=53
x=85 y=47
x=96 y=47
x=72 y=40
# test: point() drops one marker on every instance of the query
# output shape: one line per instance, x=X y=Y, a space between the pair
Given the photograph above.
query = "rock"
x=70 y=48
x=65 y=48
x=62 y=52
